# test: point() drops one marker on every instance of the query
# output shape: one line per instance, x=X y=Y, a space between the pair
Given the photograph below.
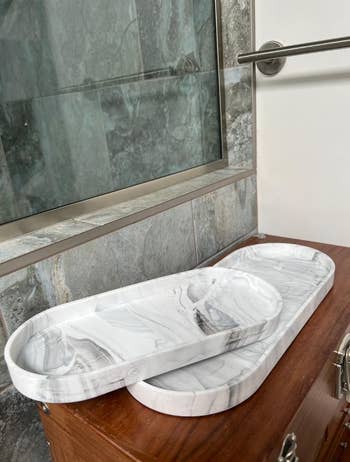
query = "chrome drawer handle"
x=288 y=451
x=342 y=363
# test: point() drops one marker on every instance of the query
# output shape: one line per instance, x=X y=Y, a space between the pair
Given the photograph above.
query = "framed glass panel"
x=98 y=96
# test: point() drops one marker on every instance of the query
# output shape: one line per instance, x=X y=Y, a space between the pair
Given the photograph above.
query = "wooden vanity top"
x=297 y=396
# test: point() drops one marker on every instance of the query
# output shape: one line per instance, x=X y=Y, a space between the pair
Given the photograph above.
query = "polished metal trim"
x=221 y=78
x=55 y=248
x=294 y=50
x=51 y=217
x=35 y=222
x=253 y=85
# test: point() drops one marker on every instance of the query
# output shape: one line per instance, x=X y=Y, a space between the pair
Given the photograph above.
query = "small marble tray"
x=86 y=348
x=303 y=276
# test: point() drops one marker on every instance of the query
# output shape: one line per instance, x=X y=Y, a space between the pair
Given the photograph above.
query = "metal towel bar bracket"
x=271 y=57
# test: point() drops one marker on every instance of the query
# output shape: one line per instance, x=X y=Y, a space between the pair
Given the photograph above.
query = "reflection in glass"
x=99 y=96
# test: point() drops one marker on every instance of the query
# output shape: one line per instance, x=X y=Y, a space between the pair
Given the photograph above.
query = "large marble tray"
x=86 y=348
x=303 y=277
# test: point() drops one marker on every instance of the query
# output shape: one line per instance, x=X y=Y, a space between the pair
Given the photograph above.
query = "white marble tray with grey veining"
x=86 y=348
x=303 y=276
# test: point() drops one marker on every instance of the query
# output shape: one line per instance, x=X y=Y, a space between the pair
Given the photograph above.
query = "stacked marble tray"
x=86 y=348
x=190 y=344
x=303 y=277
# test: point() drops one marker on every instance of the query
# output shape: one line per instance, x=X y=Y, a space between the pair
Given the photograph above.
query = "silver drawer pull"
x=342 y=363
x=288 y=451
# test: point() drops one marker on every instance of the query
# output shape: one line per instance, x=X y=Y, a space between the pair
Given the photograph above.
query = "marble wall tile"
x=22 y=438
x=239 y=116
x=224 y=216
x=160 y=245
x=166 y=32
x=21 y=296
x=73 y=145
x=236 y=29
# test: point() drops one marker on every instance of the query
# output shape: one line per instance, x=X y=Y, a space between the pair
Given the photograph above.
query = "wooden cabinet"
x=297 y=397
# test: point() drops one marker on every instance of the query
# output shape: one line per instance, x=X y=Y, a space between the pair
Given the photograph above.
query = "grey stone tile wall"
x=237 y=37
x=160 y=245
x=223 y=216
x=239 y=116
x=236 y=29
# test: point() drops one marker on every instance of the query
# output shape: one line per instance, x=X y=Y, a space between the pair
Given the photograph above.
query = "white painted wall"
x=303 y=124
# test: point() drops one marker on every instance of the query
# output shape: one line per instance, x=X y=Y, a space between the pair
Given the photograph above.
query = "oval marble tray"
x=303 y=276
x=86 y=348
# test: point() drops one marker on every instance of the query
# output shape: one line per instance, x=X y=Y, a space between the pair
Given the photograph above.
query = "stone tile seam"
x=194 y=233
x=230 y=247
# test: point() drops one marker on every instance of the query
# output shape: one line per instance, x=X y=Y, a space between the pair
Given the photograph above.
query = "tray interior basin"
x=92 y=346
x=303 y=276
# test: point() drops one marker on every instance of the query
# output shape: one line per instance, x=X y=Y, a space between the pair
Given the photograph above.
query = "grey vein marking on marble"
x=92 y=346
x=22 y=438
x=224 y=215
x=303 y=276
